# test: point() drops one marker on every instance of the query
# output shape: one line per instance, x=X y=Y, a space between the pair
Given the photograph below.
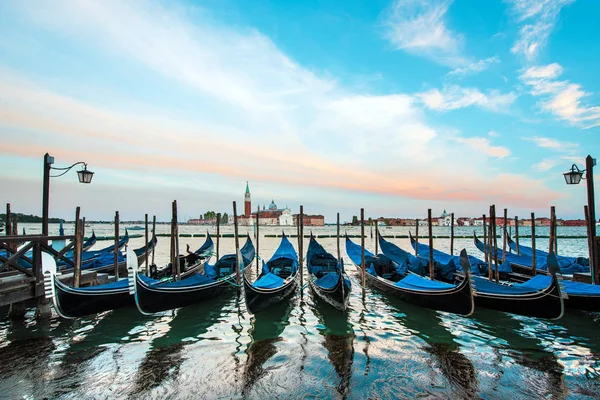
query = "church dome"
x=272 y=207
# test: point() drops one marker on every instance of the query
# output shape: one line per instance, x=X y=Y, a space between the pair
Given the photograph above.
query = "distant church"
x=274 y=216
x=271 y=216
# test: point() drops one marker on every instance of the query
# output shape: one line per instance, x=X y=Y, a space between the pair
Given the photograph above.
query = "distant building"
x=310 y=220
x=574 y=222
x=286 y=218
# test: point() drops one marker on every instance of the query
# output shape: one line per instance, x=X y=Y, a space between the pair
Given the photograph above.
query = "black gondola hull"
x=337 y=297
x=153 y=299
x=546 y=303
x=259 y=299
x=458 y=300
x=74 y=302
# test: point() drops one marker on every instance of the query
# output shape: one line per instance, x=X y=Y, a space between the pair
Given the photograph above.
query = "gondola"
x=188 y=264
x=545 y=302
x=478 y=267
x=327 y=277
x=382 y=274
x=90 y=242
x=151 y=297
x=105 y=262
x=521 y=298
x=568 y=265
x=579 y=295
x=277 y=281
x=72 y=302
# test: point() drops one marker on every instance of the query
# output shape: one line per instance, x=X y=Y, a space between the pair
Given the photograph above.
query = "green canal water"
x=381 y=348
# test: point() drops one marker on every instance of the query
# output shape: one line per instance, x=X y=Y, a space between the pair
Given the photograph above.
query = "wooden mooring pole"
x=533 y=255
x=153 y=235
x=116 y=255
x=257 y=241
x=301 y=247
x=431 y=267
x=362 y=247
x=338 y=237
x=7 y=223
x=376 y=239
x=146 y=238
x=504 y=228
x=486 y=246
x=417 y=237
x=77 y=252
x=452 y=233
x=552 y=230
x=237 y=244
x=218 y=233
x=495 y=242
x=176 y=242
x=517 y=233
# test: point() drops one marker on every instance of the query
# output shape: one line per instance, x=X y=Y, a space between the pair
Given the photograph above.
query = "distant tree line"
x=29 y=218
x=356 y=221
x=213 y=215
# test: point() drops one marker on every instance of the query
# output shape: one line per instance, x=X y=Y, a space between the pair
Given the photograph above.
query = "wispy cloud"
x=567 y=151
x=538 y=18
x=484 y=145
x=453 y=97
x=561 y=98
x=553 y=144
x=473 y=68
x=419 y=27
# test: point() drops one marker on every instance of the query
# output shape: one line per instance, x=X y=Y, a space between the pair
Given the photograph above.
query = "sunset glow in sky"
x=394 y=106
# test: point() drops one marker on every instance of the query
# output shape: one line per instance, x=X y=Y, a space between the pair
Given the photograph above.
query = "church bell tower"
x=247 y=202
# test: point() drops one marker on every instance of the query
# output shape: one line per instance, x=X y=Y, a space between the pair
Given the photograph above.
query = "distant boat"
x=136 y=228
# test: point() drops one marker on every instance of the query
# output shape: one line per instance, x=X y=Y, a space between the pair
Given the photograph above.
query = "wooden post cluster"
x=533 y=255
x=431 y=267
x=362 y=245
x=237 y=244
x=116 y=250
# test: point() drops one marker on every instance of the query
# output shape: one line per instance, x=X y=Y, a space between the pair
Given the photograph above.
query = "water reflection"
x=429 y=326
x=338 y=338
x=265 y=332
x=163 y=362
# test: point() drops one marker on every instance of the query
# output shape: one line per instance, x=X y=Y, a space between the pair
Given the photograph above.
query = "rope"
x=234 y=284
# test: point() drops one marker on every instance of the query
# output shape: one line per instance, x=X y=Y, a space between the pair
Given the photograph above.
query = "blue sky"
x=394 y=106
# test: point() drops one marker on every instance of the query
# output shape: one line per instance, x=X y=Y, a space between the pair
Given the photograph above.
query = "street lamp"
x=84 y=175
x=573 y=177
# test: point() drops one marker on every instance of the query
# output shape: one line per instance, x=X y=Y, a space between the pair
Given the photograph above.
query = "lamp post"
x=84 y=175
x=573 y=177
